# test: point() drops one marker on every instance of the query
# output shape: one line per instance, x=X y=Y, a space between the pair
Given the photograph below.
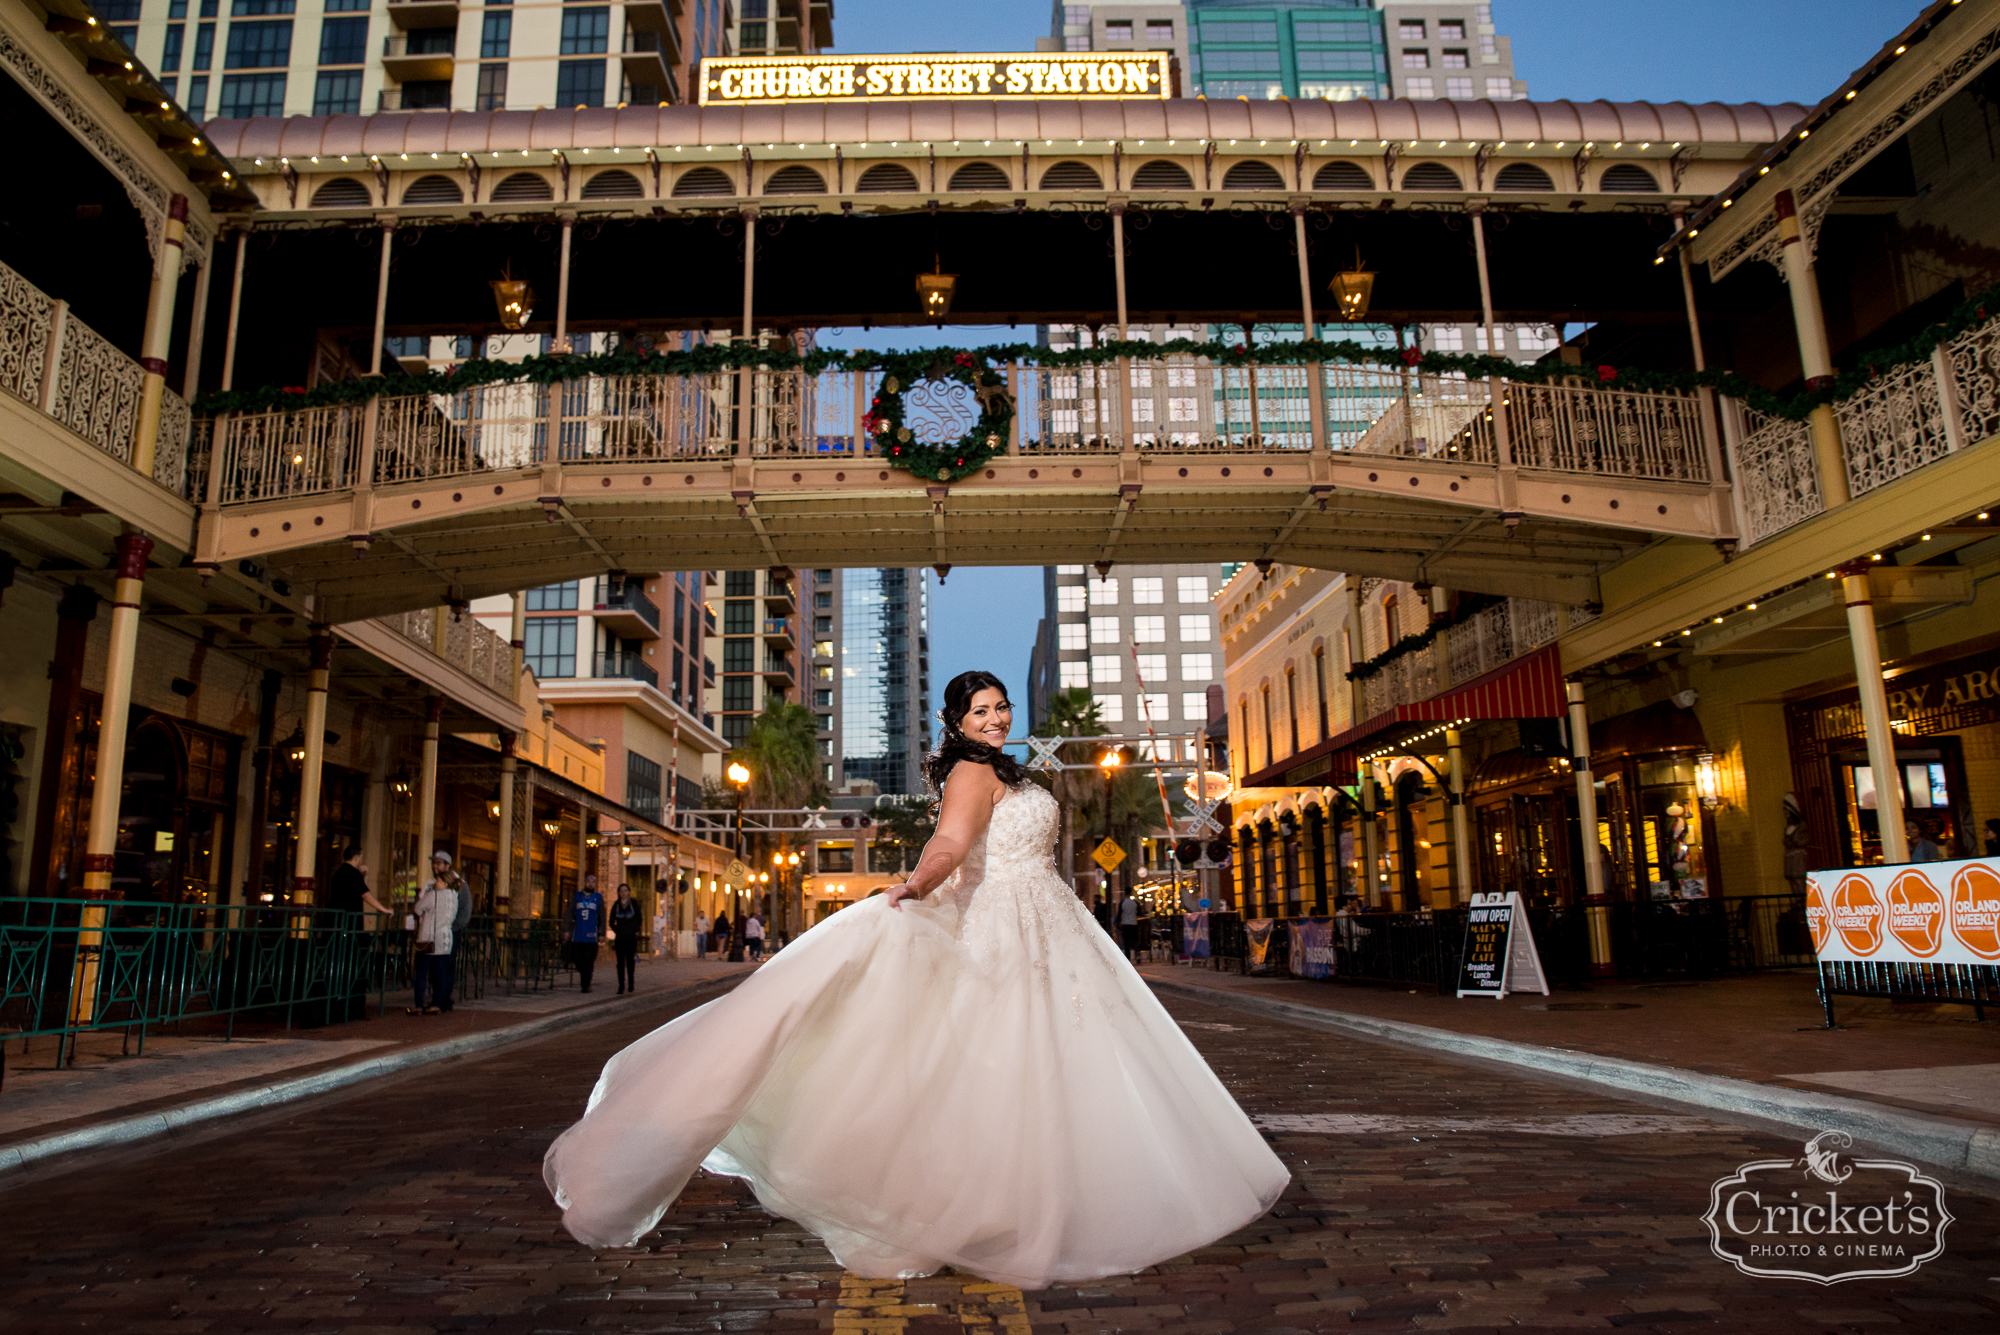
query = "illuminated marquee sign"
x=731 y=81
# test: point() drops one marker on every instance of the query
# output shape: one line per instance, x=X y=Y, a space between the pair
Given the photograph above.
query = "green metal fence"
x=70 y=966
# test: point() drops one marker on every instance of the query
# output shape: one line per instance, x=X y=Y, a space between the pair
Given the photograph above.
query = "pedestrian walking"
x=753 y=936
x=701 y=926
x=346 y=893
x=627 y=933
x=437 y=906
x=1128 y=925
x=586 y=927
x=721 y=946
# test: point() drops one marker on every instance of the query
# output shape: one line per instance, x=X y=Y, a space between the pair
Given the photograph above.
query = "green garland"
x=943 y=461
x=1469 y=606
x=971 y=366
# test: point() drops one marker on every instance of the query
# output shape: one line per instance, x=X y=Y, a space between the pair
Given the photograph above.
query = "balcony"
x=778 y=671
x=628 y=666
x=624 y=609
x=778 y=635
x=656 y=16
x=1476 y=646
x=779 y=597
x=466 y=645
x=419 y=56
x=414 y=14
x=649 y=59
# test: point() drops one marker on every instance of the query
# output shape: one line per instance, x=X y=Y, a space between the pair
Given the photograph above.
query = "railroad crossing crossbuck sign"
x=1107 y=855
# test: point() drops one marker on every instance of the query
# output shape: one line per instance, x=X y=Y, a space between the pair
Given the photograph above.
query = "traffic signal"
x=1218 y=852
x=1188 y=852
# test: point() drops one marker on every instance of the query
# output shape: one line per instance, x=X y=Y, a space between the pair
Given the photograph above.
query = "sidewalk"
x=1923 y=1078
x=106 y=1096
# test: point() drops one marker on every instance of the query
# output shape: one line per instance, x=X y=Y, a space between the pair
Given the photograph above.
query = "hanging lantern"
x=515 y=300
x=1352 y=289
x=935 y=290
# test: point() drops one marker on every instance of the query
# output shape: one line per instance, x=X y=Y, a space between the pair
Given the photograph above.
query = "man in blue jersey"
x=586 y=929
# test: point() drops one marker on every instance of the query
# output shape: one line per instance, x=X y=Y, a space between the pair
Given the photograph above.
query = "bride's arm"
x=962 y=818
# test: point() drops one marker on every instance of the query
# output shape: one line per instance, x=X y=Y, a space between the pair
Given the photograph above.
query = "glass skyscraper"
x=884 y=678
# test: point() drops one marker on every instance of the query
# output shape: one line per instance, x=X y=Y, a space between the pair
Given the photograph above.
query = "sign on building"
x=734 y=81
x=1499 y=955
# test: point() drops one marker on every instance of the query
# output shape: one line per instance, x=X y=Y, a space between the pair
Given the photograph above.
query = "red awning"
x=1529 y=687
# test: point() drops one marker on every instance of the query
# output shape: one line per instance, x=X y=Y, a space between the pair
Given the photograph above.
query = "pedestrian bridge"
x=1514 y=488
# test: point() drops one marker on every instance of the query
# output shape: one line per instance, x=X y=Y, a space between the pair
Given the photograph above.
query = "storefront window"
x=1675 y=862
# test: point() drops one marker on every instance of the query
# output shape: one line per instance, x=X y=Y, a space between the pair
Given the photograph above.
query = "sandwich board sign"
x=1499 y=955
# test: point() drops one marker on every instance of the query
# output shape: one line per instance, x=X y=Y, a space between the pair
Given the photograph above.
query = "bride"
x=963 y=1071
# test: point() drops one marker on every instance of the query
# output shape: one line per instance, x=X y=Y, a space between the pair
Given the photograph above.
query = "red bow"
x=1607 y=373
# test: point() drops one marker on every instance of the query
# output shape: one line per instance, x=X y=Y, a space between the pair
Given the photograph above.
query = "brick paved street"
x=416 y=1205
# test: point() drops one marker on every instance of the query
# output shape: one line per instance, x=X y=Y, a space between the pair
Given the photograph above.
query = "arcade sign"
x=740 y=81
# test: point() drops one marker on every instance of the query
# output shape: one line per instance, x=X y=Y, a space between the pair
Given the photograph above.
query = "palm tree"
x=781 y=752
x=1071 y=713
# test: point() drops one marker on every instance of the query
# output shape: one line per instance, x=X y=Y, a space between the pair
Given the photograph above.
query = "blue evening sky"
x=1621 y=50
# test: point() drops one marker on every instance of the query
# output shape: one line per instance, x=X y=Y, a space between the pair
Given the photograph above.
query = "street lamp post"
x=1109 y=763
x=739 y=775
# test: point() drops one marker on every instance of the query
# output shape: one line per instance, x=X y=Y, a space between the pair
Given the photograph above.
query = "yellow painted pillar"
x=1875 y=714
x=159 y=334
x=1371 y=836
x=1597 y=908
x=1815 y=353
x=427 y=790
x=108 y=784
x=504 y=871
x=1461 y=835
x=305 y=856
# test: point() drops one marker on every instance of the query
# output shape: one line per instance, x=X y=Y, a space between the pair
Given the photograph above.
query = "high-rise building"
x=1141 y=639
x=782 y=27
x=345 y=57
x=1339 y=50
x=760 y=648
x=870 y=677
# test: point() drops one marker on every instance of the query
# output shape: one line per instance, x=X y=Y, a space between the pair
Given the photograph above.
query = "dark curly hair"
x=955 y=746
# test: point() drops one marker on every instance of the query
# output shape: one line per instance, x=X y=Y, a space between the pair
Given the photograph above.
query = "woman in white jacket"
x=437 y=906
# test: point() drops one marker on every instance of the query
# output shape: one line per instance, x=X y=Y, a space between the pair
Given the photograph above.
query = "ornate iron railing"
x=468 y=646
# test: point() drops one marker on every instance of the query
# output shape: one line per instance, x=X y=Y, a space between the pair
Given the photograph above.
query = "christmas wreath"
x=941 y=461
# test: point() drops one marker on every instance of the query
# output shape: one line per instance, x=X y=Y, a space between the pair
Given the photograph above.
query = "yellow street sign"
x=1107 y=855
x=736 y=875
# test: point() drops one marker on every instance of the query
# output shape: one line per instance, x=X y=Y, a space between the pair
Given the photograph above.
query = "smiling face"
x=989 y=717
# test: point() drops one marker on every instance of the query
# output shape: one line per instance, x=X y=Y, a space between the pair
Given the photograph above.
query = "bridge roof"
x=911 y=124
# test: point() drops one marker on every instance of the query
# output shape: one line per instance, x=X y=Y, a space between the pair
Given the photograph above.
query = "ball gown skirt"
x=978 y=1080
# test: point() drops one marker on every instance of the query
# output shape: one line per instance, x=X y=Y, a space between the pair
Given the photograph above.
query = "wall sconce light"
x=590 y=840
x=550 y=827
x=1707 y=782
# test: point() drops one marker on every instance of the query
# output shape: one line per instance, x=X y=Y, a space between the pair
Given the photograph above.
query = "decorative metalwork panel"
x=1574 y=429
x=1481 y=643
x=170 y=453
x=27 y=317
x=939 y=411
x=1775 y=479
x=97 y=390
x=270 y=455
x=1974 y=358
x=1534 y=623
x=1893 y=426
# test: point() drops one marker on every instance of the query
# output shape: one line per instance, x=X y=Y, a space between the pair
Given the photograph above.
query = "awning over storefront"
x=487 y=775
x=1528 y=687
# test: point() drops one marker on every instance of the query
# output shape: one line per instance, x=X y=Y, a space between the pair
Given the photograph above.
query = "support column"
x=427 y=786
x=1874 y=714
x=62 y=745
x=108 y=784
x=1356 y=699
x=1246 y=879
x=197 y=328
x=159 y=335
x=235 y=311
x=1815 y=354
x=503 y=878
x=388 y=222
x=1461 y=837
x=568 y=221
x=1597 y=908
x=1496 y=391
x=1305 y=269
x=1118 y=265
x=305 y=855
x=749 y=269
x=1371 y=838
x=517 y=639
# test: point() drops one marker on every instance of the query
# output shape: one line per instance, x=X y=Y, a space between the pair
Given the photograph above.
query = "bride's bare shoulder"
x=976 y=775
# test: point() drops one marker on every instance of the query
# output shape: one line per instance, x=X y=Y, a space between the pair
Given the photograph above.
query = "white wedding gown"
x=980 y=1080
